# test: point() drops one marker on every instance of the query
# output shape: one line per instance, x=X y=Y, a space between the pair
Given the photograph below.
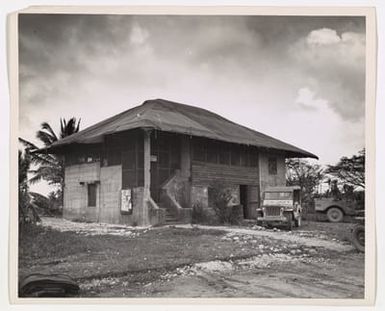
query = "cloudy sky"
x=299 y=79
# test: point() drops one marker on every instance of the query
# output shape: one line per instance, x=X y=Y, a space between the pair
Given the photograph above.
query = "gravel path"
x=303 y=238
x=289 y=236
x=84 y=228
x=313 y=262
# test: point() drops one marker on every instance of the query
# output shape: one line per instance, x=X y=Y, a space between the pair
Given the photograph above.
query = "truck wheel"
x=358 y=238
x=335 y=214
x=298 y=221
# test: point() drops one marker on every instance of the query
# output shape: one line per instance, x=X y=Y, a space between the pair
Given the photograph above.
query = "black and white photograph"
x=192 y=156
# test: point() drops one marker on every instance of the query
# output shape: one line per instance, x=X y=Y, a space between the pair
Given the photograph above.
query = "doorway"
x=249 y=198
x=165 y=159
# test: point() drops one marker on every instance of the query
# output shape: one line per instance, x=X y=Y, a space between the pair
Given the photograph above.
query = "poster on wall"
x=126 y=201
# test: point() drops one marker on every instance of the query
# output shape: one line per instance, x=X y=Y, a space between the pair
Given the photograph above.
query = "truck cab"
x=281 y=205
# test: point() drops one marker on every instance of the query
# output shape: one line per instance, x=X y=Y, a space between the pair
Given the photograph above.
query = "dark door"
x=243 y=200
x=249 y=198
x=253 y=200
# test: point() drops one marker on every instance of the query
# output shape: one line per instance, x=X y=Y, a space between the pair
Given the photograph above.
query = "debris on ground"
x=256 y=227
x=216 y=259
x=90 y=229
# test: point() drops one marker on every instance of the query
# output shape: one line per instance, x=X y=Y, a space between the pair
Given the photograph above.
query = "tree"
x=304 y=174
x=350 y=171
x=27 y=209
x=24 y=163
x=49 y=167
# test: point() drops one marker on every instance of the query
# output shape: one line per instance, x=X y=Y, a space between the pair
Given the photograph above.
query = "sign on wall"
x=126 y=201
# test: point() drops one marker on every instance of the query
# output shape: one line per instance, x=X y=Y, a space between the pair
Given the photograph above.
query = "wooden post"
x=147 y=163
x=185 y=157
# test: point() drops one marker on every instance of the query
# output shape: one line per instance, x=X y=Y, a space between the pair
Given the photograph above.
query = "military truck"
x=335 y=208
x=358 y=236
x=281 y=206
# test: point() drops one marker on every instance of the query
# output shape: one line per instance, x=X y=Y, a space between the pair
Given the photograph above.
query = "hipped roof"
x=174 y=117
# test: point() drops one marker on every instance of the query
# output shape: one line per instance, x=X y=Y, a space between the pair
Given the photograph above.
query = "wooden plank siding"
x=203 y=174
x=126 y=149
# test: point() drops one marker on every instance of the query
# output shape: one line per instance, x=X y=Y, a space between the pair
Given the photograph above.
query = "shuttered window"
x=211 y=151
x=91 y=195
x=272 y=163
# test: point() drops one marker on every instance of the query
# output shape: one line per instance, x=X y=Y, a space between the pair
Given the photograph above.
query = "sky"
x=298 y=79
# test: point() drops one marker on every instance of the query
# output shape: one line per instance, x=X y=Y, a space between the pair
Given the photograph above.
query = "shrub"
x=198 y=214
x=219 y=197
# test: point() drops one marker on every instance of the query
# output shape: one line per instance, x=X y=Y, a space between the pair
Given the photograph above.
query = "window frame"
x=272 y=165
x=92 y=193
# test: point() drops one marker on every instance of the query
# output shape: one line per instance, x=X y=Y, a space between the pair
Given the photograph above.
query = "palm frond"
x=48 y=128
x=44 y=159
x=77 y=127
x=45 y=137
x=69 y=127
x=35 y=179
x=27 y=144
x=53 y=175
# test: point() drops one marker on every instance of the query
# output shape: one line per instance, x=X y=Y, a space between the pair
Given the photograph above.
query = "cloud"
x=335 y=68
x=138 y=35
x=307 y=100
x=249 y=69
x=324 y=36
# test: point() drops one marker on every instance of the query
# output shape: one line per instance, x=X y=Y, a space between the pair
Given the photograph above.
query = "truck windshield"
x=278 y=195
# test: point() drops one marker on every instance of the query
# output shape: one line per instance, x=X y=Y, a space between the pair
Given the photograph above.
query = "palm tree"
x=49 y=167
x=27 y=208
x=69 y=128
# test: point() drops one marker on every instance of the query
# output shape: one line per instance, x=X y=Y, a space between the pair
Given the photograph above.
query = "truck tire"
x=358 y=238
x=335 y=214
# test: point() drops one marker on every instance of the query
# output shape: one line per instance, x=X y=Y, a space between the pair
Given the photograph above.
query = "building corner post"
x=147 y=175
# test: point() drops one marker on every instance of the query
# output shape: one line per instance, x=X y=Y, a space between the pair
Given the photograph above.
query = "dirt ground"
x=316 y=261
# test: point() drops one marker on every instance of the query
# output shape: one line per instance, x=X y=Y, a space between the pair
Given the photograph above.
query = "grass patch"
x=41 y=242
x=43 y=250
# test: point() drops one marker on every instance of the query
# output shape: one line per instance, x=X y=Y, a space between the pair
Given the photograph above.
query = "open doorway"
x=243 y=200
x=249 y=198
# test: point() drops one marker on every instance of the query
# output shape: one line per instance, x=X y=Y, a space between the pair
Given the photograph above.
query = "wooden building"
x=151 y=164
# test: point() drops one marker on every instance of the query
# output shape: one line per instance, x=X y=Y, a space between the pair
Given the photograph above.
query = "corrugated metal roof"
x=173 y=117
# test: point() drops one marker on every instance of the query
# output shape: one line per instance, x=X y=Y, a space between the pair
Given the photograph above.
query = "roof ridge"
x=230 y=121
x=183 y=119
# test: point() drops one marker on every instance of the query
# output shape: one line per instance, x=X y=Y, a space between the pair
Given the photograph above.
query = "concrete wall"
x=75 y=191
x=266 y=179
x=140 y=216
x=108 y=180
x=110 y=187
x=157 y=216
